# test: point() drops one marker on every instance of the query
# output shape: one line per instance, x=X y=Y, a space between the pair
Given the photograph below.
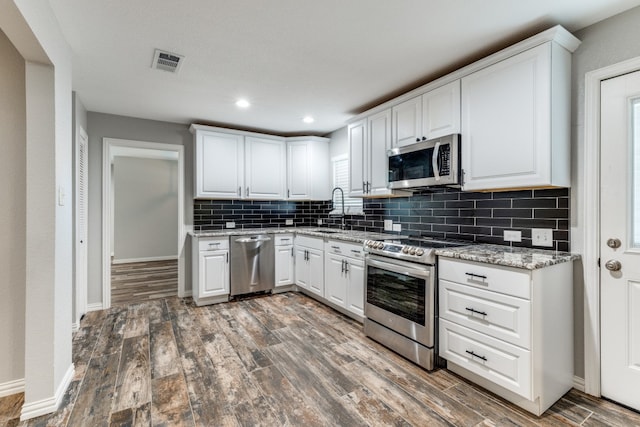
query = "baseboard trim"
x=75 y=326
x=578 y=383
x=12 y=387
x=51 y=404
x=148 y=259
x=94 y=306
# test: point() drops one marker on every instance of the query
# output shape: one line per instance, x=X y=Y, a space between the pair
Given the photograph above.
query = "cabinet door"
x=265 y=168
x=298 y=185
x=407 y=122
x=284 y=265
x=441 y=111
x=316 y=271
x=506 y=123
x=219 y=165
x=357 y=135
x=335 y=280
x=301 y=268
x=214 y=274
x=355 y=287
x=379 y=132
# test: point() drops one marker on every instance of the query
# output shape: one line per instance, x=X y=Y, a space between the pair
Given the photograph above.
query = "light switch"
x=397 y=227
x=542 y=237
x=388 y=225
x=61 y=196
x=288 y=222
x=231 y=225
x=512 y=236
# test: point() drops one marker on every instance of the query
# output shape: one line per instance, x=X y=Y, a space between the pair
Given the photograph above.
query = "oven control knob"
x=412 y=251
x=380 y=245
x=419 y=252
x=405 y=250
x=369 y=243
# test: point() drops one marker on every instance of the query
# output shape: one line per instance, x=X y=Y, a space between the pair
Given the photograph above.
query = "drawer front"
x=500 y=316
x=213 y=244
x=503 y=364
x=505 y=280
x=343 y=248
x=310 y=242
x=283 y=239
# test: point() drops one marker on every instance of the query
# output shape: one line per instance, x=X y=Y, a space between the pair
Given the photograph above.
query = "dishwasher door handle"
x=253 y=239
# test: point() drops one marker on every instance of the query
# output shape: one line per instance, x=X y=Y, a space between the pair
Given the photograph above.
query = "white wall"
x=111 y=126
x=145 y=208
x=79 y=121
x=12 y=212
x=604 y=43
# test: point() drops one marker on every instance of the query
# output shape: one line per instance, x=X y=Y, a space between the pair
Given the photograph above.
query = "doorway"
x=620 y=238
x=143 y=227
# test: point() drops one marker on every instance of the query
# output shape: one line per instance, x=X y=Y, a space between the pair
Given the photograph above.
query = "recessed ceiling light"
x=308 y=119
x=242 y=103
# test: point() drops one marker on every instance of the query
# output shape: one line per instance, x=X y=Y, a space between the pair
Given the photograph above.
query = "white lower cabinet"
x=284 y=256
x=210 y=270
x=309 y=264
x=344 y=276
x=509 y=330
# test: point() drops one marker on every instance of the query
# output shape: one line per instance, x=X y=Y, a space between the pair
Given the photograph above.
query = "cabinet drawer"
x=310 y=242
x=504 y=364
x=343 y=248
x=283 y=239
x=213 y=244
x=505 y=280
x=500 y=316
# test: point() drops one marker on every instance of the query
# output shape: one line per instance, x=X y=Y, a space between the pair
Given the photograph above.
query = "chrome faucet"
x=342 y=226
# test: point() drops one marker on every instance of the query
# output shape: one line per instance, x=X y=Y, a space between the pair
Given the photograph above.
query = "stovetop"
x=420 y=250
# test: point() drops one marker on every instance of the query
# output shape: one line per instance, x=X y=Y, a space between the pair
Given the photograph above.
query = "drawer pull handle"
x=475 y=311
x=284 y=240
x=476 y=355
x=478 y=276
x=355 y=251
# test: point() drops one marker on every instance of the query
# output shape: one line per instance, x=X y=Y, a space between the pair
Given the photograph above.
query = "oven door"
x=401 y=296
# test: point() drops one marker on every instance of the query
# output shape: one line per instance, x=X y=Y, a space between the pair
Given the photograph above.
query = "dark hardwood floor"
x=281 y=360
x=143 y=281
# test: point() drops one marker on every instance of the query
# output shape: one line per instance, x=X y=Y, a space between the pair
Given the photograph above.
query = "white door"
x=302 y=268
x=284 y=265
x=379 y=128
x=620 y=219
x=335 y=283
x=316 y=271
x=298 y=185
x=357 y=158
x=265 y=168
x=220 y=165
x=355 y=287
x=407 y=122
x=214 y=273
x=441 y=111
x=82 y=174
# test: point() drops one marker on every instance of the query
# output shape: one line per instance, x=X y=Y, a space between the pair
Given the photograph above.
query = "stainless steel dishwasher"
x=252 y=263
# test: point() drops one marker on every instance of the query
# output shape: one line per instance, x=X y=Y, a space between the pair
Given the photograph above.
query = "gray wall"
x=12 y=212
x=339 y=143
x=145 y=208
x=604 y=43
x=111 y=126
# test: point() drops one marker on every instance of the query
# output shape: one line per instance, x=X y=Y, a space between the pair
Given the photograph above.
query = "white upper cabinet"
x=407 y=122
x=431 y=115
x=308 y=169
x=515 y=121
x=265 y=168
x=369 y=140
x=219 y=165
x=441 y=111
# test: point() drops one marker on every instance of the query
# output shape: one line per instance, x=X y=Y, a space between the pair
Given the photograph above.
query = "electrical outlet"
x=319 y=222
x=231 y=225
x=388 y=225
x=397 y=227
x=512 y=236
x=542 y=237
x=288 y=222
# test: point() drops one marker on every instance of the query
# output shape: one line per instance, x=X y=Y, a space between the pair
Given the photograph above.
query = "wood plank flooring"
x=281 y=360
x=143 y=281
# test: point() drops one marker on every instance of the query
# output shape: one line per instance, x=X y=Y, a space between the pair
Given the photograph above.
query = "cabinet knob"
x=417 y=139
x=424 y=138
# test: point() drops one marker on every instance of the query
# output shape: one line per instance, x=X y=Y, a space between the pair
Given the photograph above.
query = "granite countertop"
x=527 y=258
x=323 y=232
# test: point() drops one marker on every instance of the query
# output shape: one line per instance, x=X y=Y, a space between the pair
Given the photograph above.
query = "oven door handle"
x=409 y=271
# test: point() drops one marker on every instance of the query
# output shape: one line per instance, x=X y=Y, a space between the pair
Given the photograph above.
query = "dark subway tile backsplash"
x=439 y=213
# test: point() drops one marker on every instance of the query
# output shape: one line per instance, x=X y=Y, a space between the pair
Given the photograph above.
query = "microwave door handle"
x=434 y=161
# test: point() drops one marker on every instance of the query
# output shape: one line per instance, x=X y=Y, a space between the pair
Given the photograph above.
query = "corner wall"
x=12 y=218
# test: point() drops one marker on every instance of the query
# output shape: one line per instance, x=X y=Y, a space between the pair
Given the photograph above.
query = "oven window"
x=397 y=293
x=413 y=165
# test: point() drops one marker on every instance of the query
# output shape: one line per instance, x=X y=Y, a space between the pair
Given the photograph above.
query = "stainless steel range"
x=401 y=296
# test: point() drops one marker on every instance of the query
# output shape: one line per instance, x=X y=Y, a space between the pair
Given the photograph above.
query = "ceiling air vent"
x=167 y=61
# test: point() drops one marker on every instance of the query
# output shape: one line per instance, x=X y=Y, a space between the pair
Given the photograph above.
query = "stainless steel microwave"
x=425 y=164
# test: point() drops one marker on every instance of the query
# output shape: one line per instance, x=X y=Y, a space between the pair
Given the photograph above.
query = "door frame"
x=591 y=226
x=108 y=146
x=81 y=289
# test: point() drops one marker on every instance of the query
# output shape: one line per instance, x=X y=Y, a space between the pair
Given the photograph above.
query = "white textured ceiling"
x=326 y=58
